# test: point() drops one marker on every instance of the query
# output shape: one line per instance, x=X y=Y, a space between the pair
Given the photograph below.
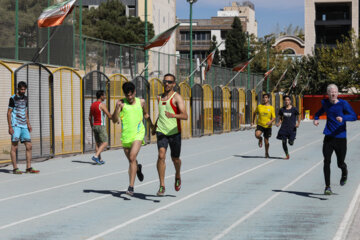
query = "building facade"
x=129 y=4
x=327 y=20
x=205 y=29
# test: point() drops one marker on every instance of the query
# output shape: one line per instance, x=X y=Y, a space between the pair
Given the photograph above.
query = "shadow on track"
x=243 y=156
x=6 y=171
x=77 y=161
x=120 y=194
x=305 y=194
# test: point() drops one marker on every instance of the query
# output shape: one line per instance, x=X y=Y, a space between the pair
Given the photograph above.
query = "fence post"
x=120 y=63
x=168 y=63
x=17 y=29
x=135 y=61
x=84 y=52
x=158 y=64
x=104 y=56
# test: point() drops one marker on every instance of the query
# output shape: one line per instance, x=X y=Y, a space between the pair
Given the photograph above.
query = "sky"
x=268 y=13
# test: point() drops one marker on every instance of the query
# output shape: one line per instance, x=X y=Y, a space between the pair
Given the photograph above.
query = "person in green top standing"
x=168 y=130
x=132 y=110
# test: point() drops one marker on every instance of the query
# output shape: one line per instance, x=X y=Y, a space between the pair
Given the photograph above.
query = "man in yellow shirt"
x=266 y=117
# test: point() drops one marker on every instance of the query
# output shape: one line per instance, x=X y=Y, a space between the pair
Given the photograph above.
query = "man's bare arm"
x=182 y=115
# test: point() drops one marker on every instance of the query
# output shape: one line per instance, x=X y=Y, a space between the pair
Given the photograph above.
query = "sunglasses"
x=168 y=82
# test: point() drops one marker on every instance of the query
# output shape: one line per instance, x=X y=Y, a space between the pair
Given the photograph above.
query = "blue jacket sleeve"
x=349 y=114
x=320 y=112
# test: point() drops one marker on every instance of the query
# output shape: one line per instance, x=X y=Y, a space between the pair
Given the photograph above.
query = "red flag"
x=241 y=67
x=161 y=39
x=268 y=73
x=56 y=14
x=210 y=60
x=295 y=80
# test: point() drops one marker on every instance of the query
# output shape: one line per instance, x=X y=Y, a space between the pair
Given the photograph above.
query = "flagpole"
x=297 y=75
x=281 y=78
x=307 y=84
x=203 y=62
x=264 y=78
x=241 y=70
x=233 y=78
x=36 y=56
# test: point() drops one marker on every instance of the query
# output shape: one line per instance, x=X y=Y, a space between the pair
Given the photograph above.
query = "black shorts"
x=173 y=140
x=266 y=131
x=287 y=134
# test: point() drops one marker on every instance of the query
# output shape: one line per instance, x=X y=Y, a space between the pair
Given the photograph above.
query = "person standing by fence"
x=168 y=130
x=338 y=112
x=97 y=122
x=19 y=127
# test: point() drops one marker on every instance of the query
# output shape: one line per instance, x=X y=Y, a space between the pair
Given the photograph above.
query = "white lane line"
x=102 y=197
x=349 y=217
x=176 y=202
x=190 y=196
x=255 y=210
x=354 y=206
x=93 y=178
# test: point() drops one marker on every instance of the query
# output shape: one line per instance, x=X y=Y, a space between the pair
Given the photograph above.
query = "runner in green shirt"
x=132 y=110
x=168 y=130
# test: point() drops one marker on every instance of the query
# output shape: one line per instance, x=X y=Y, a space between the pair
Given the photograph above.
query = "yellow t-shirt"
x=266 y=113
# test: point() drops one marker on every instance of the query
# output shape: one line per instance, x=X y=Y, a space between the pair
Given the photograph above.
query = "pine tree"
x=214 y=44
x=235 y=42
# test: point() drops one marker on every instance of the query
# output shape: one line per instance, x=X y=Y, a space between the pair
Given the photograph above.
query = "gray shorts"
x=100 y=134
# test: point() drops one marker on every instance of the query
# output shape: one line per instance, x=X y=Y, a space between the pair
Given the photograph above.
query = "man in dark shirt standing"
x=288 y=116
x=338 y=112
x=19 y=127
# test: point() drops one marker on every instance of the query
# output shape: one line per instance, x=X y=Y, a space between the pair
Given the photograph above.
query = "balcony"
x=197 y=45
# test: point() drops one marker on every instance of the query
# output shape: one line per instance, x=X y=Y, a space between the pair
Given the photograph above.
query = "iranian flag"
x=241 y=67
x=56 y=14
x=161 y=39
x=268 y=73
x=210 y=60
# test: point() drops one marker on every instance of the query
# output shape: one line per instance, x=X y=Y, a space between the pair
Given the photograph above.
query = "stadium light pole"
x=191 y=51
x=146 y=41
x=248 y=67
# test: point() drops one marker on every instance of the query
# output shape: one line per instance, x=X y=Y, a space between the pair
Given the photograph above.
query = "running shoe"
x=267 y=155
x=101 y=161
x=17 y=171
x=161 y=191
x=32 y=170
x=177 y=184
x=343 y=180
x=139 y=174
x=328 y=191
x=130 y=191
x=96 y=159
x=260 y=143
x=287 y=157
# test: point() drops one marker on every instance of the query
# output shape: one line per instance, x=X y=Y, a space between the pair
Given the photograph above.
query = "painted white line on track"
x=81 y=167
x=93 y=178
x=176 y=202
x=102 y=197
x=190 y=196
x=255 y=210
x=349 y=217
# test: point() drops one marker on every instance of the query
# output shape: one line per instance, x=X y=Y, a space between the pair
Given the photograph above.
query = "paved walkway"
x=229 y=192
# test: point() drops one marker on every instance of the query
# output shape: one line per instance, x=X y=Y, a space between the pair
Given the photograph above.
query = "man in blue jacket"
x=338 y=112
